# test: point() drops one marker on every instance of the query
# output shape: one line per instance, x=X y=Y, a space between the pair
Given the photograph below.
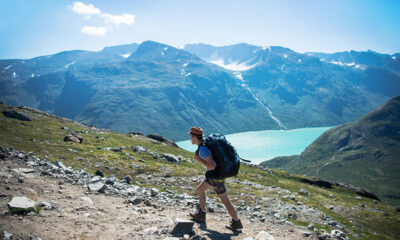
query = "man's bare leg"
x=231 y=209
x=201 y=190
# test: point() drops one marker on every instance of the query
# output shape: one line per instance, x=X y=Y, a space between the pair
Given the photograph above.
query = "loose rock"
x=182 y=226
x=73 y=138
x=21 y=204
x=264 y=236
x=97 y=187
x=7 y=235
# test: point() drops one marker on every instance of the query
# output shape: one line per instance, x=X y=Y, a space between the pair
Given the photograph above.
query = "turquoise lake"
x=259 y=146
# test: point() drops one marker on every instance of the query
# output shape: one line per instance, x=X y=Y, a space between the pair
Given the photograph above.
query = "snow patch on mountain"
x=7 y=67
x=184 y=65
x=235 y=66
x=352 y=64
x=14 y=74
x=266 y=47
x=125 y=55
x=69 y=64
x=394 y=57
x=238 y=75
x=361 y=67
x=337 y=63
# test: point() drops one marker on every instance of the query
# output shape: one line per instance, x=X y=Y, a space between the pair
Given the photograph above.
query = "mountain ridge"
x=276 y=86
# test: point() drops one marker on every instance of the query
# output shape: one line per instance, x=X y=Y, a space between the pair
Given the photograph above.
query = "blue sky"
x=34 y=28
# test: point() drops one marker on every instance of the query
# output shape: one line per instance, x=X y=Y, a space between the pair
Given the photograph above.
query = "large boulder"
x=16 y=115
x=73 y=138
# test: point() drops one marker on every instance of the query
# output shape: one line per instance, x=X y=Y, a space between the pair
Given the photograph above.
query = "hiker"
x=203 y=155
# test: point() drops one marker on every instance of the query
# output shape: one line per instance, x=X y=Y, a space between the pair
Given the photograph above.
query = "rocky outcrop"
x=16 y=115
x=162 y=139
x=317 y=182
x=360 y=191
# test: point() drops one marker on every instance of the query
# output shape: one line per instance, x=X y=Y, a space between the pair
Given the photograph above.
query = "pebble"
x=20 y=179
x=7 y=235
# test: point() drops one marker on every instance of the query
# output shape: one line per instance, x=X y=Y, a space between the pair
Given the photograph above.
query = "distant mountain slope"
x=313 y=89
x=225 y=89
x=158 y=89
x=364 y=153
x=47 y=70
x=360 y=59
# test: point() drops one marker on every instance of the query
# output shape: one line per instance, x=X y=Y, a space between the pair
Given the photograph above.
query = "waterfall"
x=271 y=115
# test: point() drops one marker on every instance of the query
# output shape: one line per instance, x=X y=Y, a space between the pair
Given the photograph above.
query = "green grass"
x=368 y=222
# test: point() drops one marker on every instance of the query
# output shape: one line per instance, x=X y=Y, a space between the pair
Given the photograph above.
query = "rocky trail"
x=71 y=204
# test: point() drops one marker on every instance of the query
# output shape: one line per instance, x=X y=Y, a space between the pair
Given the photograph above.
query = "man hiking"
x=203 y=155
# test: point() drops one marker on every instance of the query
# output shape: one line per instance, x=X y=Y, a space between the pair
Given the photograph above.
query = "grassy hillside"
x=363 y=153
x=43 y=136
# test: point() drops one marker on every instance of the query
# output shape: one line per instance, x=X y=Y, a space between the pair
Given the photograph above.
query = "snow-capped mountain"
x=157 y=88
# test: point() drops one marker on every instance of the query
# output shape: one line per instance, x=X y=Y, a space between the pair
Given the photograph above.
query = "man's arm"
x=208 y=162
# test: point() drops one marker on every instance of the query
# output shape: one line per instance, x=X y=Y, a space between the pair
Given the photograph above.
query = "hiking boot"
x=235 y=225
x=199 y=216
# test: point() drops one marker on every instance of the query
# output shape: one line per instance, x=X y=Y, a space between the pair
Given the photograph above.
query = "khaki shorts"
x=217 y=184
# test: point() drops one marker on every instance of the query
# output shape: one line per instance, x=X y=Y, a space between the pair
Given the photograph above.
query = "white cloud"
x=96 y=31
x=127 y=19
x=110 y=20
x=81 y=8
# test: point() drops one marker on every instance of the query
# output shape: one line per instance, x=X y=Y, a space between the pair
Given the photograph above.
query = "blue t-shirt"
x=204 y=153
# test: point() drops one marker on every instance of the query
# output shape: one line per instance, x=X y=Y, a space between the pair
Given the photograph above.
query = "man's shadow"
x=217 y=235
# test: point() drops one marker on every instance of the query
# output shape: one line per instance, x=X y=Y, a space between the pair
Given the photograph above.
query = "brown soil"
x=108 y=217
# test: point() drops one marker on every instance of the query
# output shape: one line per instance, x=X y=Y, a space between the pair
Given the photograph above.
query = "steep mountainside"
x=306 y=89
x=364 y=153
x=225 y=89
x=158 y=89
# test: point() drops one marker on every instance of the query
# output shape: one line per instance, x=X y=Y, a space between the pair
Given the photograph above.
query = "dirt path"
x=78 y=214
